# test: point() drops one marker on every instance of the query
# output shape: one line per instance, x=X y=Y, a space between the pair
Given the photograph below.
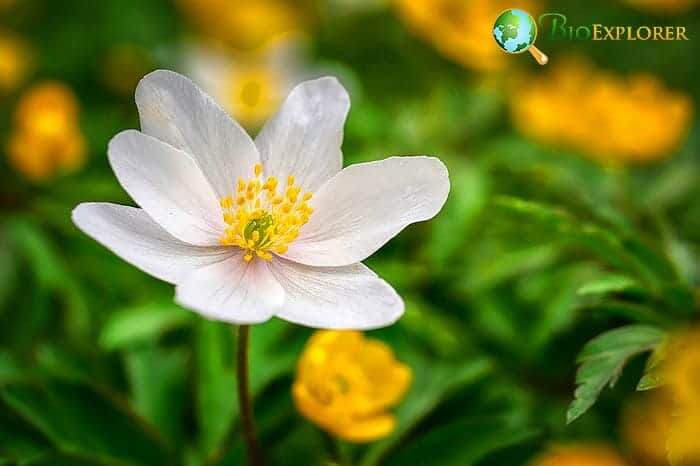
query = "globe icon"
x=515 y=31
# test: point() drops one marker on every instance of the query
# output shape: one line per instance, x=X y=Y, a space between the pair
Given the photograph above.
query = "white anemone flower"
x=249 y=229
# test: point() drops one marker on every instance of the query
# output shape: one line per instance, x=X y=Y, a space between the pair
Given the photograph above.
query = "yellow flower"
x=580 y=455
x=345 y=383
x=243 y=27
x=249 y=86
x=461 y=29
x=663 y=6
x=46 y=137
x=667 y=424
x=683 y=369
x=611 y=119
x=15 y=62
x=646 y=424
x=683 y=445
x=7 y=4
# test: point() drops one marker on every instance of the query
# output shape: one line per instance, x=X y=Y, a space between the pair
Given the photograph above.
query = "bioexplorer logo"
x=555 y=26
x=515 y=31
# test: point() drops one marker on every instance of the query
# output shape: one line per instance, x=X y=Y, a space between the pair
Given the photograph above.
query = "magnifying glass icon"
x=515 y=32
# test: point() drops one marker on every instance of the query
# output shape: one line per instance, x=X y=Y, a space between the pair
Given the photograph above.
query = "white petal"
x=366 y=205
x=168 y=185
x=303 y=138
x=350 y=297
x=232 y=291
x=173 y=109
x=132 y=235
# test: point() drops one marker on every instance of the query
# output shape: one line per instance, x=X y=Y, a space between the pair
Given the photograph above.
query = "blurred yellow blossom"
x=667 y=423
x=684 y=437
x=346 y=382
x=46 y=136
x=646 y=424
x=663 y=6
x=15 y=62
x=580 y=455
x=249 y=86
x=682 y=374
x=683 y=369
x=243 y=27
x=612 y=119
x=462 y=29
x=7 y=4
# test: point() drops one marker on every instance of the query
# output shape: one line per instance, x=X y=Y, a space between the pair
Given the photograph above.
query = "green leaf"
x=158 y=380
x=630 y=254
x=653 y=373
x=494 y=270
x=272 y=353
x=39 y=252
x=636 y=312
x=129 y=326
x=216 y=404
x=602 y=361
x=73 y=460
x=450 y=229
x=19 y=440
x=534 y=210
x=82 y=419
x=9 y=366
x=7 y=268
x=606 y=284
x=476 y=438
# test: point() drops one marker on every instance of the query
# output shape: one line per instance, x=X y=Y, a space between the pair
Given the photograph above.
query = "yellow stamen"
x=262 y=220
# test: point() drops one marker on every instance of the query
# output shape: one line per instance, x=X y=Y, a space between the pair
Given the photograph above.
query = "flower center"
x=261 y=218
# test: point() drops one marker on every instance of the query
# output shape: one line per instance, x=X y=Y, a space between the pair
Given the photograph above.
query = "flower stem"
x=245 y=404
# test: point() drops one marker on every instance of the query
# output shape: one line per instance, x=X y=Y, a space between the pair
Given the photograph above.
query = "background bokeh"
x=574 y=210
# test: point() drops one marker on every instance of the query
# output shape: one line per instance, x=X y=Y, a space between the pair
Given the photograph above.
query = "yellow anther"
x=271 y=183
x=263 y=224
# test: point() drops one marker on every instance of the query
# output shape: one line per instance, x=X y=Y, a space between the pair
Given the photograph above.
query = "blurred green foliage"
x=537 y=251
